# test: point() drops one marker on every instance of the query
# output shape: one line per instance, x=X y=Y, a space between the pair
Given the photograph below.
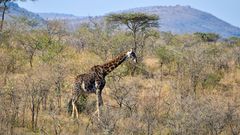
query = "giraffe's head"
x=131 y=54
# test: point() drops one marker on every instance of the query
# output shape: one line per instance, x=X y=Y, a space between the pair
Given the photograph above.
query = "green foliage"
x=28 y=22
x=51 y=50
x=48 y=46
x=95 y=39
x=134 y=21
x=119 y=42
x=207 y=37
x=5 y=36
x=165 y=55
x=80 y=104
x=234 y=41
x=137 y=23
x=211 y=80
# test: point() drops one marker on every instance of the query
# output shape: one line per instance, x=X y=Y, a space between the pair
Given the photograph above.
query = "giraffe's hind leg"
x=99 y=103
x=73 y=108
x=76 y=110
x=77 y=91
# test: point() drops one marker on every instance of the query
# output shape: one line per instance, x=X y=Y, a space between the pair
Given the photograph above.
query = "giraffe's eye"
x=133 y=55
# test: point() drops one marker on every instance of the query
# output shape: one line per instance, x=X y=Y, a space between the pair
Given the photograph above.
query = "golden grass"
x=152 y=63
x=146 y=89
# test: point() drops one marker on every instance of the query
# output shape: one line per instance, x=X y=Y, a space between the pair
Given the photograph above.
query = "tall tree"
x=3 y=9
x=136 y=22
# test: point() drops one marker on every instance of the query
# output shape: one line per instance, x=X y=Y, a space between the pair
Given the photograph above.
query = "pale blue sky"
x=227 y=10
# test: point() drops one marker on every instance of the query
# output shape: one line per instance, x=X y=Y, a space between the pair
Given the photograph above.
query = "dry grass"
x=161 y=96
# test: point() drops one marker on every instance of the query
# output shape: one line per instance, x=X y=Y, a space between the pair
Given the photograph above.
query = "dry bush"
x=107 y=124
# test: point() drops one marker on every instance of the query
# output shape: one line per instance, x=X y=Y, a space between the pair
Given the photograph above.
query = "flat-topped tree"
x=136 y=22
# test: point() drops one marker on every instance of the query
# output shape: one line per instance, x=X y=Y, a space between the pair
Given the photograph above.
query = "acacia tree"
x=30 y=44
x=135 y=22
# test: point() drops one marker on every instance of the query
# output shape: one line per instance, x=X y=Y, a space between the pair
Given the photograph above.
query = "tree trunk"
x=133 y=66
x=148 y=128
x=135 y=40
x=37 y=112
x=23 y=117
x=161 y=67
x=3 y=14
x=31 y=60
x=44 y=102
x=59 y=96
x=33 y=113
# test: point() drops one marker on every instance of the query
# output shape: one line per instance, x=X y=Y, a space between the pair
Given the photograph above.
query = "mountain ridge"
x=58 y=16
x=184 y=19
x=180 y=20
x=176 y=19
x=15 y=11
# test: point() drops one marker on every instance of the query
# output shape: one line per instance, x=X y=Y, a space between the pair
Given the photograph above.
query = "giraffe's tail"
x=69 y=107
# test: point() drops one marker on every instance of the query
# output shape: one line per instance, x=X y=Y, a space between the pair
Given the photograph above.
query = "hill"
x=58 y=16
x=14 y=11
x=176 y=19
x=184 y=19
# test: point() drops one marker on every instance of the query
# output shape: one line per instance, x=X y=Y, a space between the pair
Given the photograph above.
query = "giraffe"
x=94 y=80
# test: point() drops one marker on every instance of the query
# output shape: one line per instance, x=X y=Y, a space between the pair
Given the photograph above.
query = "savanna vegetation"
x=182 y=85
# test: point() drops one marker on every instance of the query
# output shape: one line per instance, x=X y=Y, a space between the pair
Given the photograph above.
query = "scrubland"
x=183 y=84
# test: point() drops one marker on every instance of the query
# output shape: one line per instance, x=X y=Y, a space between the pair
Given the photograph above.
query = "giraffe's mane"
x=115 y=58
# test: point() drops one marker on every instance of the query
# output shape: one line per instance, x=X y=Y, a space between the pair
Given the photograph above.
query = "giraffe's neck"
x=111 y=65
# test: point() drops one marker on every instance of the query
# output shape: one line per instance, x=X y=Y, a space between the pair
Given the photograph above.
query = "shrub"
x=211 y=80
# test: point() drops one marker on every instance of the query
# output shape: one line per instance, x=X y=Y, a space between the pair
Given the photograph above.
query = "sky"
x=227 y=10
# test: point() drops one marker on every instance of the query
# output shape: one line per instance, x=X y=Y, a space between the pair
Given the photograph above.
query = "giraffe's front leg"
x=100 y=100
x=76 y=111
